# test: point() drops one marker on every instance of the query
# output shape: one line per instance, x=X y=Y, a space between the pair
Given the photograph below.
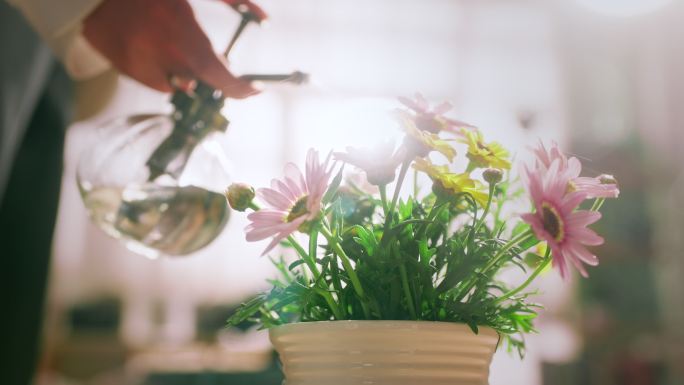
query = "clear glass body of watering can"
x=155 y=182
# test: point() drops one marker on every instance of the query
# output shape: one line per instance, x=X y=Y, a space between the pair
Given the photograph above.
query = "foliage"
x=431 y=258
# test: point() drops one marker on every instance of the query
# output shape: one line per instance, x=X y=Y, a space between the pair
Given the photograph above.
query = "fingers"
x=142 y=39
x=149 y=73
x=202 y=63
x=214 y=72
x=159 y=83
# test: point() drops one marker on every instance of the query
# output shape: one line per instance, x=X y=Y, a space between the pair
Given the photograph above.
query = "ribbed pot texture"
x=384 y=353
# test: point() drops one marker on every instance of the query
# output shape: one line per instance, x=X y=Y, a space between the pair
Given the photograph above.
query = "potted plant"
x=392 y=288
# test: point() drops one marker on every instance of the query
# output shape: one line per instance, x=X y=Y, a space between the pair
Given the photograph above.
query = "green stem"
x=254 y=206
x=529 y=280
x=415 y=184
x=302 y=253
x=471 y=167
x=598 y=202
x=383 y=197
x=390 y=212
x=397 y=190
x=407 y=289
x=431 y=216
x=497 y=213
x=486 y=210
x=520 y=238
x=311 y=262
x=346 y=263
x=337 y=284
x=405 y=282
x=313 y=244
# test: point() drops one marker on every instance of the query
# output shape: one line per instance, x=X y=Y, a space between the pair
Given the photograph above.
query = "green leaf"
x=425 y=250
x=519 y=228
x=405 y=208
x=334 y=186
x=294 y=264
x=366 y=239
x=530 y=243
x=247 y=310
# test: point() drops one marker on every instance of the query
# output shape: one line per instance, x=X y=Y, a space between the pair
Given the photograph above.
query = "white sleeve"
x=59 y=25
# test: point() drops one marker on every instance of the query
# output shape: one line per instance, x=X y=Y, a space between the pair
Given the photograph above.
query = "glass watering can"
x=155 y=181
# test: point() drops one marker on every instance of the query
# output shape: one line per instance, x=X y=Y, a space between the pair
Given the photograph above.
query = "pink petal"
x=458 y=123
x=275 y=241
x=551 y=185
x=258 y=233
x=310 y=166
x=287 y=231
x=556 y=153
x=421 y=102
x=537 y=226
x=542 y=155
x=253 y=235
x=297 y=190
x=582 y=254
x=574 y=168
x=577 y=264
x=530 y=218
x=409 y=103
x=587 y=236
x=570 y=202
x=443 y=108
x=559 y=261
x=533 y=184
x=267 y=216
x=284 y=189
x=274 y=198
x=595 y=189
x=582 y=218
x=292 y=172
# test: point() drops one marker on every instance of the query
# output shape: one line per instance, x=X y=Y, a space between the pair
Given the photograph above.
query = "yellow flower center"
x=298 y=209
x=552 y=222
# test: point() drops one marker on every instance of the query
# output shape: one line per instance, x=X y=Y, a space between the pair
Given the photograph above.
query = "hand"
x=152 y=40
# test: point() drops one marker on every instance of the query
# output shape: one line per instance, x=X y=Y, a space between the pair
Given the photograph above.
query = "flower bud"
x=240 y=196
x=492 y=175
x=607 y=179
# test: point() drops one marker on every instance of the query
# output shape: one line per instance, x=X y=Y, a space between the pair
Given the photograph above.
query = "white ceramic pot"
x=384 y=353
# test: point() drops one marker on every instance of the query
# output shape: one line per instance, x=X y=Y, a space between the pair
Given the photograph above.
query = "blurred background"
x=604 y=78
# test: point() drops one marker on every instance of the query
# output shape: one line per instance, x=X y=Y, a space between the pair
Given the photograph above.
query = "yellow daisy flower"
x=451 y=182
x=421 y=143
x=483 y=154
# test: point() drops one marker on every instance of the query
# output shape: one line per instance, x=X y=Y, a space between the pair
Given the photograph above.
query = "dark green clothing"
x=34 y=112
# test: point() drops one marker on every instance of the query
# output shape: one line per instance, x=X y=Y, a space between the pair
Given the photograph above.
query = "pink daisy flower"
x=557 y=221
x=432 y=119
x=293 y=201
x=546 y=156
x=603 y=186
x=379 y=162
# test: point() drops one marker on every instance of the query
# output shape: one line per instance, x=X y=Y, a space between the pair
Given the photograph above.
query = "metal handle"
x=247 y=17
x=296 y=77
